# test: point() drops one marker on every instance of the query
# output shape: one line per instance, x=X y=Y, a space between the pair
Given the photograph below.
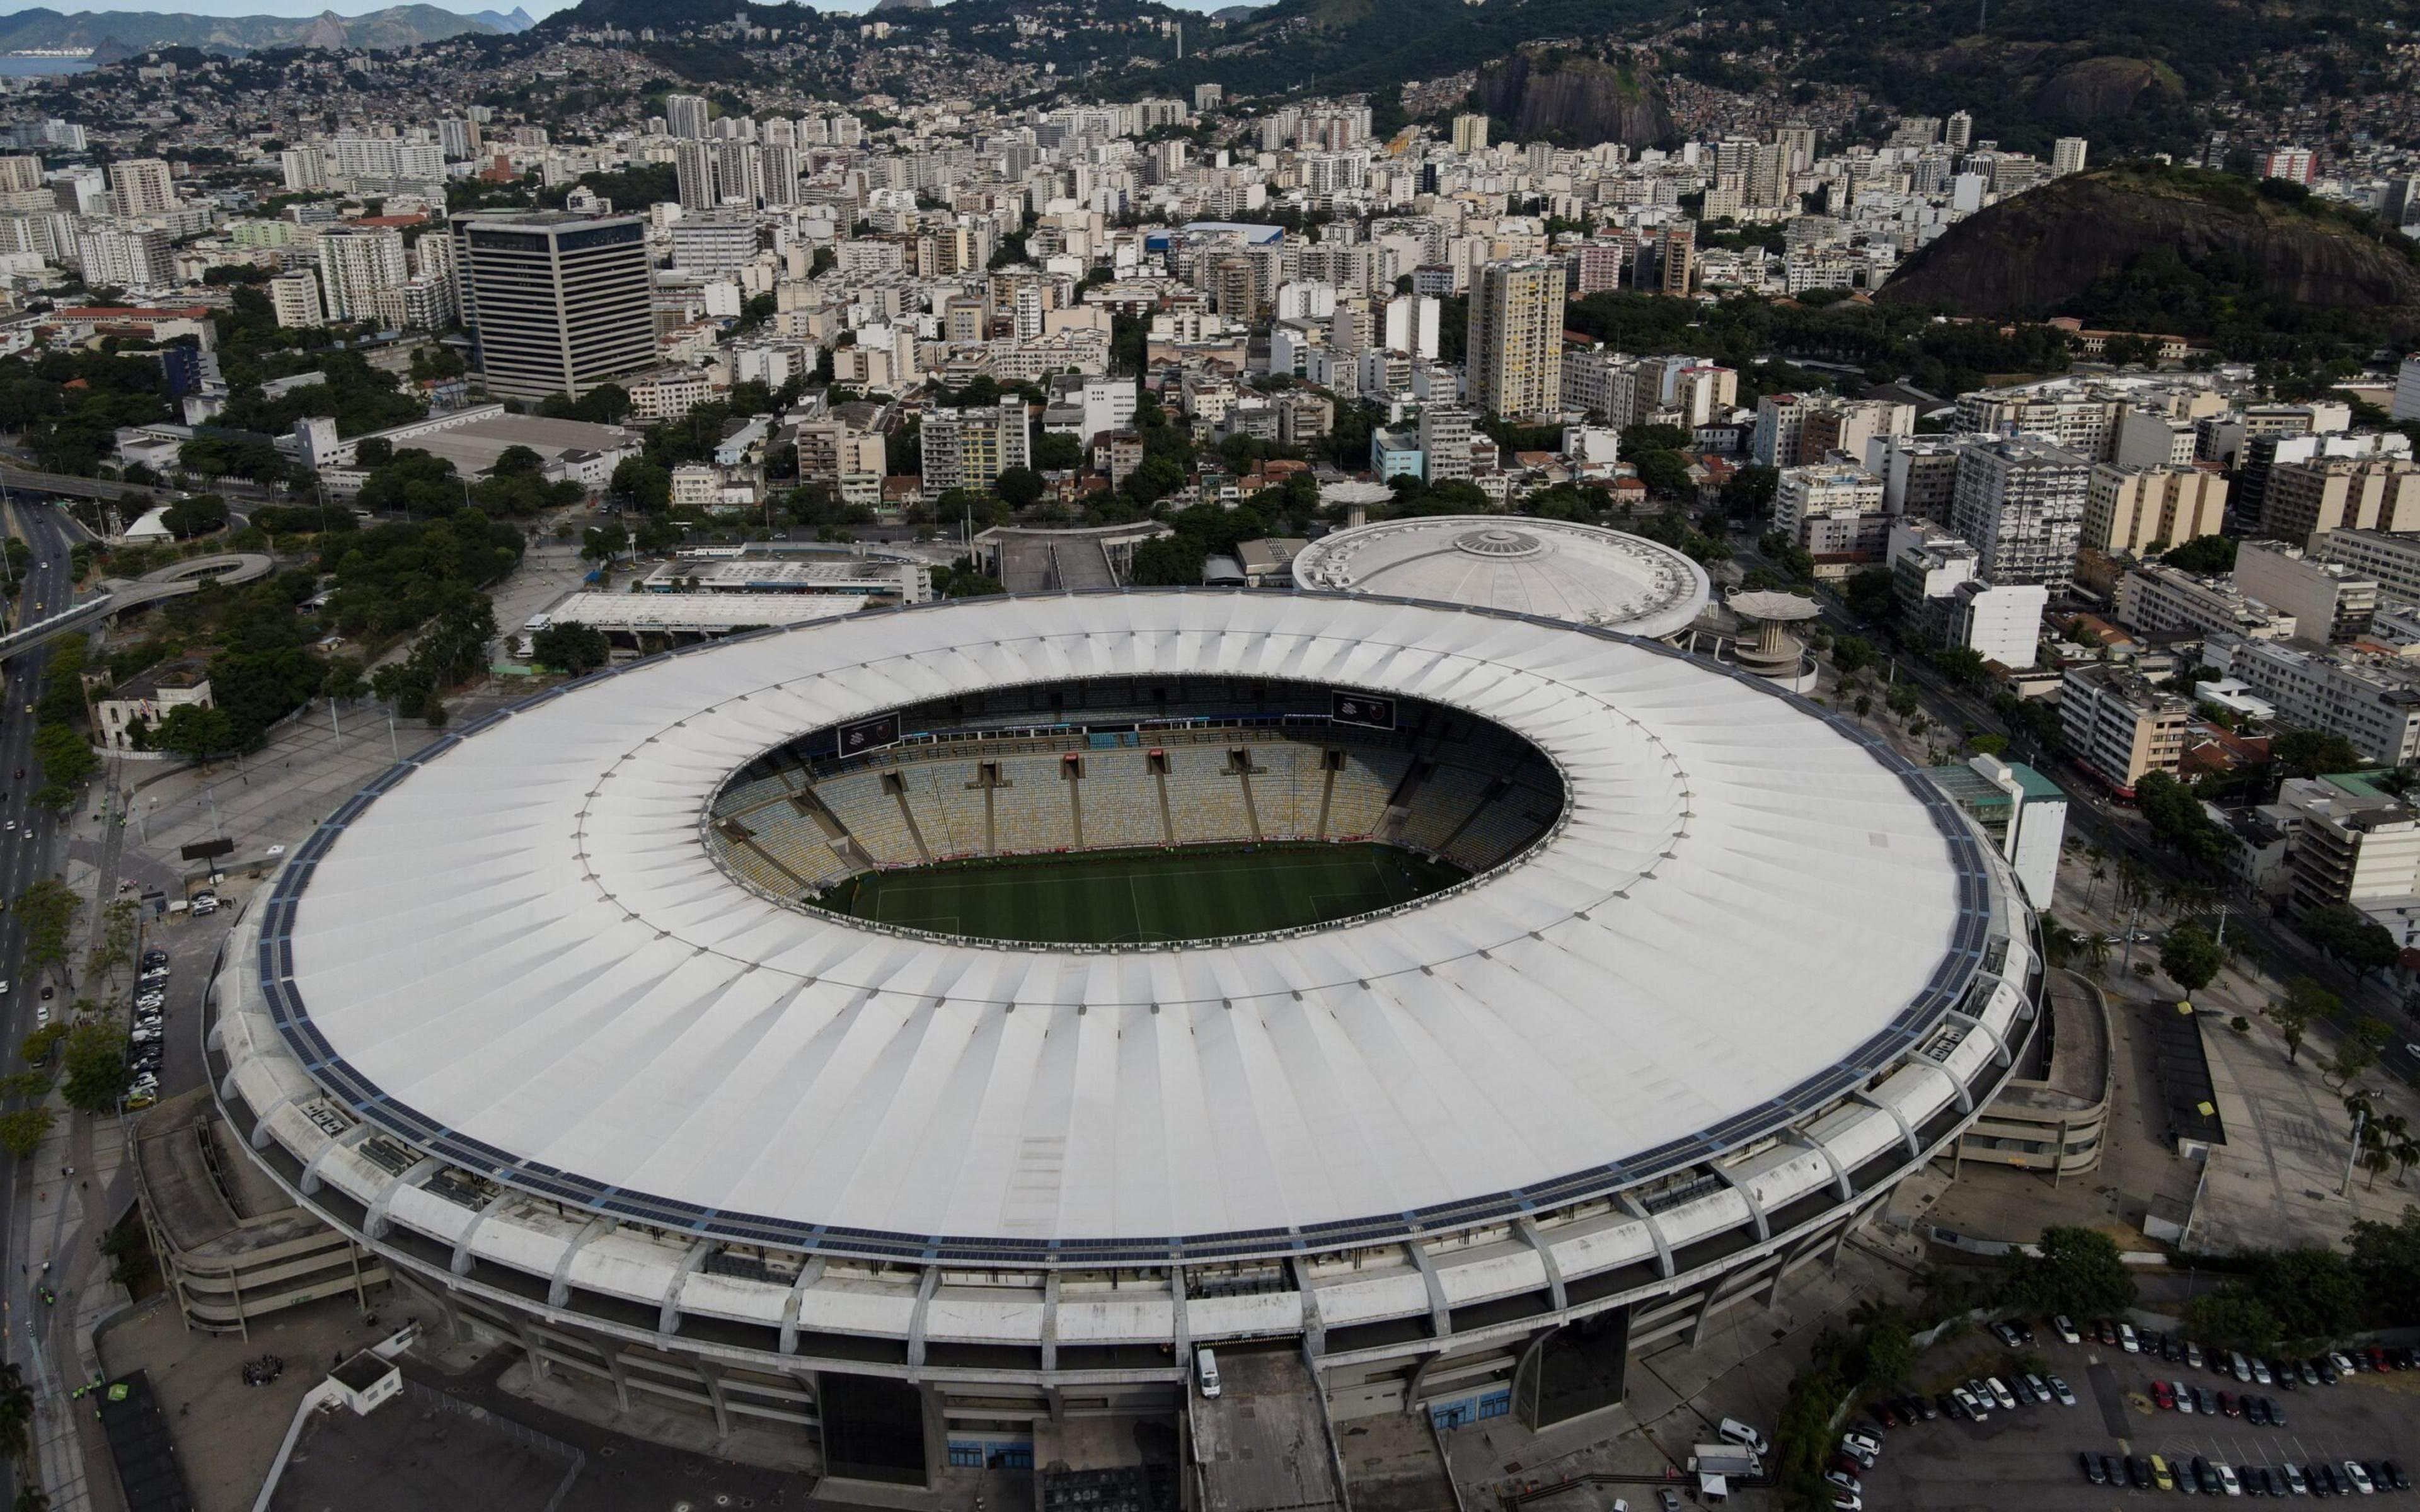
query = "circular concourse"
x=507 y=1020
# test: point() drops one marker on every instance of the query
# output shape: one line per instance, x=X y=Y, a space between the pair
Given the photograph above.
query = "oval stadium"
x=921 y=1032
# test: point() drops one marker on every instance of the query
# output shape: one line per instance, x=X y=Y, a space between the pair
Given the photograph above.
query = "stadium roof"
x=515 y=949
x=1580 y=572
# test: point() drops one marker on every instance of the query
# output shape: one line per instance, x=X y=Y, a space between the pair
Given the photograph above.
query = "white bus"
x=527 y=646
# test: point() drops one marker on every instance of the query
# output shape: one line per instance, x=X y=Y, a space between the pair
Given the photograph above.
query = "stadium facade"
x=521 y=1019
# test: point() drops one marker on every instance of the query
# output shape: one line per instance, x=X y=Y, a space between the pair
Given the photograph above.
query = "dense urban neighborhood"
x=1071 y=753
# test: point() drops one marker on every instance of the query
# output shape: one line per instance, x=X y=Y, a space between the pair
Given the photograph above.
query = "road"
x=30 y=844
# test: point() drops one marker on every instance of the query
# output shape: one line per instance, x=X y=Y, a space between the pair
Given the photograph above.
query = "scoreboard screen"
x=866 y=734
x=1360 y=709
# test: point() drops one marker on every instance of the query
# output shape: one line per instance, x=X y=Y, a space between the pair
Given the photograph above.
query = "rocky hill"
x=1558 y=94
x=2173 y=250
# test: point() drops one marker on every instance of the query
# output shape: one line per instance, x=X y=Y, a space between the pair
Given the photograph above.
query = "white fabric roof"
x=525 y=941
x=1557 y=568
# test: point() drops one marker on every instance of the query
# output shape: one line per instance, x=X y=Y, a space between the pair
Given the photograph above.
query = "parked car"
x=2296 y=1482
x=2001 y=1393
x=2108 y=1333
x=2092 y=1468
x=2395 y=1474
x=1967 y=1405
x=2127 y=1340
x=2006 y=1333
x=2193 y=1354
x=2066 y=1327
x=2354 y=1472
x=2059 y=1389
x=2163 y=1396
x=2184 y=1397
x=2342 y=1361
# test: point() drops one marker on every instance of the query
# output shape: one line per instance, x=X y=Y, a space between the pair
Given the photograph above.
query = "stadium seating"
x=1031 y=810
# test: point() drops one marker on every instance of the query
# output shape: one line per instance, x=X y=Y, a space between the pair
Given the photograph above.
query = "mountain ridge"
x=41 y=29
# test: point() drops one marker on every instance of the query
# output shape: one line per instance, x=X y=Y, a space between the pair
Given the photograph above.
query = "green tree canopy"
x=2190 y=957
x=2076 y=1271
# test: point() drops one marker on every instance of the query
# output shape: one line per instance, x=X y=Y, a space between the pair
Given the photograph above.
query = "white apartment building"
x=1445 y=443
x=1933 y=573
x=2406 y=405
x=295 y=298
x=970 y=448
x=2391 y=561
x=1834 y=512
x=2021 y=501
x=355 y=265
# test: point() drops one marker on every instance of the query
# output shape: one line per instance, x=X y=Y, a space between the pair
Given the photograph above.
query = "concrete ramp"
x=1262 y=1444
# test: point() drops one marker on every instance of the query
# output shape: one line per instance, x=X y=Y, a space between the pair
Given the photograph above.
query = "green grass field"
x=1138 y=897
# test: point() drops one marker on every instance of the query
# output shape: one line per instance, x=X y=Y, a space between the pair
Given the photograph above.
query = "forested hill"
x=2179 y=251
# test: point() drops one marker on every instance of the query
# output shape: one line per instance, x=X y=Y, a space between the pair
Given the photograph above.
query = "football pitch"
x=1140 y=897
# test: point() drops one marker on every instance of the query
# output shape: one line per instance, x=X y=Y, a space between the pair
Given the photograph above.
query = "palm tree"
x=2096 y=948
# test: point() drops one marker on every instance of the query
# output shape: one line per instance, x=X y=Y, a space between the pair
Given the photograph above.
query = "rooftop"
x=1579 y=573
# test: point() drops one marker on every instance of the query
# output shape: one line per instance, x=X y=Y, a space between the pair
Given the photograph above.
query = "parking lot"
x=2027 y=1457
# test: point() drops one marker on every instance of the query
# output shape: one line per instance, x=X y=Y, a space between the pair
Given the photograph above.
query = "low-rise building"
x=2348 y=841
x=144 y=700
x=2118 y=726
x=2373 y=701
x=2156 y=599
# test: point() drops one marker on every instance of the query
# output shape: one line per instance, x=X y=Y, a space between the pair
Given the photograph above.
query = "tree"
x=343 y=681
x=1056 y=452
x=2305 y=1003
x=16 y=1416
x=2359 y=1049
x=2227 y=1320
x=639 y=484
x=2310 y=752
x=2310 y=1293
x=1018 y=487
x=21 y=1130
x=2360 y=942
x=46 y=911
x=1747 y=493
x=516 y=461
x=2386 y=1259
x=2075 y=1270
x=1665 y=472
x=2204 y=556
x=197 y=516
x=570 y=647
x=196 y=732
x=94 y=1070
x=2191 y=958
x=1871 y=594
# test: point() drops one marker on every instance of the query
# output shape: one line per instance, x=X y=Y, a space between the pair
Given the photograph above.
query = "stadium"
x=919 y=1032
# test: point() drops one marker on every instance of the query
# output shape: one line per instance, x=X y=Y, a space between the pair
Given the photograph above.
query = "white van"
x=1737 y=1432
x=1205 y=1371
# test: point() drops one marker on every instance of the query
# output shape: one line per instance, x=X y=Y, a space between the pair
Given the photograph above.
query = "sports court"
x=1138 y=897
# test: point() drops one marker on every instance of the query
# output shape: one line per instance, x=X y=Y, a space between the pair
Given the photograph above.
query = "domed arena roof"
x=1581 y=573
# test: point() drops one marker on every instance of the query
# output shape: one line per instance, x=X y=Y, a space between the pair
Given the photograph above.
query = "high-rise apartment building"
x=305 y=169
x=2118 y=727
x=2143 y=511
x=1959 y=130
x=564 y=302
x=685 y=115
x=140 y=186
x=1470 y=134
x=21 y=174
x=131 y=258
x=1445 y=443
x=694 y=173
x=355 y=264
x=970 y=448
x=2295 y=165
x=2067 y=156
x=458 y=137
x=2020 y=500
x=2338 y=493
x=1677 y=258
x=295 y=298
x=1515 y=338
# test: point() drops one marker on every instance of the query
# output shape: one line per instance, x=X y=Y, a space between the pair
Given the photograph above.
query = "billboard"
x=1360 y=709
x=206 y=850
x=865 y=734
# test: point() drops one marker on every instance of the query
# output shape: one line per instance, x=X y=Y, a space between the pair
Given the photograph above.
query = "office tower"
x=2020 y=502
x=2067 y=156
x=295 y=298
x=1515 y=337
x=354 y=266
x=970 y=448
x=141 y=186
x=1470 y=134
x=693 y=170
x=685 y=115
x=564 y=302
